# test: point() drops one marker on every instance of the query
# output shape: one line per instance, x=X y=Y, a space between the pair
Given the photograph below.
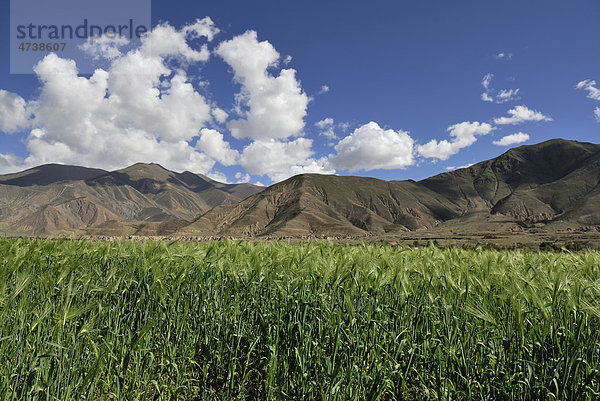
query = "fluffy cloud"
x=371 y=147
x=276 y=105
x=464 y=134
x=212 y=143
x=589 y=86
x=115 y=150
x=165 y=40
x=145 y=108
x=220 y=115
x=486 y=97
x=521 y=114
x=242 y=178
x=204 y=27
x=326 y=128
x=280 y=160
x=325 y=123
x=106 y=46
x=13 y=112
x=512 y=139
x=140 y=109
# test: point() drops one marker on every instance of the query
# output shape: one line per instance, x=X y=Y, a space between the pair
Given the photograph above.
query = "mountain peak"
x=47 y=174
x=146 y=170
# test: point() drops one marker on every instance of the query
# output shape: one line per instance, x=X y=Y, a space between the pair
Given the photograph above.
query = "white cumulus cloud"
x=324 y=123
x=486 y=97
x=13 y=112
x=521 y=114
x=166 y=41
x=371 y=147
x=140 y=109
x=144 y=108
x=212 y=143
x=589 y=86
x=276 y=105
x=512 y=139
x=463 y=135
x=280 y=160
x=219 y=114
x=204 y=27
x=326 y=128
x=105 y=46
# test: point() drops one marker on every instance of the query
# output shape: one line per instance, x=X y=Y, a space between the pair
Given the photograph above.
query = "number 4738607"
x=42 y=47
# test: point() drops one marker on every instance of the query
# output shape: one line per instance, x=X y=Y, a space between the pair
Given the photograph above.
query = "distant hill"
x=54 y=199
x=552 y=185
x=549 y=183
x=329 y=205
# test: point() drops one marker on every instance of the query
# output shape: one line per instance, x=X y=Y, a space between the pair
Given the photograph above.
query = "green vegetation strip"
x=237 y=320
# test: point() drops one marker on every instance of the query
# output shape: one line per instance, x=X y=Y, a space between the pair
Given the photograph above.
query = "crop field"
x=248 y=320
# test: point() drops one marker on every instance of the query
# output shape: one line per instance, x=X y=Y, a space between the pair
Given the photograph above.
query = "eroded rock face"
x=149 y=186
x=528 y=210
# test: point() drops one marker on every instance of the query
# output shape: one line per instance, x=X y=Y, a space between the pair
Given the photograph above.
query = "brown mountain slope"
x=329 y=205
x=483 y=185
x=552 y=184
x=555 y=181
x=530 y=184
x=38 y=202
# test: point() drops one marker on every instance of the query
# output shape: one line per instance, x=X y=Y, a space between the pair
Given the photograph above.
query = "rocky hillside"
x=552 y=182
x=55 y=199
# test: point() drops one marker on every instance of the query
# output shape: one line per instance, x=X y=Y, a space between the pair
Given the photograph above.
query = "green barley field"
x=311 y=321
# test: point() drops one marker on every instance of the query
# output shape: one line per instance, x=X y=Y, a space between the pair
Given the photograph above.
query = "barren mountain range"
x=55 y=199
x=551 y=186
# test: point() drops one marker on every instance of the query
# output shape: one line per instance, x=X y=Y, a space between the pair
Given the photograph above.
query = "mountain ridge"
x=553 y=185
x=523 y=187
x=58 y=199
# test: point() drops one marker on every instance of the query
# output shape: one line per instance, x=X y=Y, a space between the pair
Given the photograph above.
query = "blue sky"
x=406 y=84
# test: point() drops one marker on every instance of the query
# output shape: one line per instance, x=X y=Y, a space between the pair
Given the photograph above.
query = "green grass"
x=236 y=320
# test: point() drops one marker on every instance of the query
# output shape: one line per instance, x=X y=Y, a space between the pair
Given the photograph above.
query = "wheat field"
x=234 y=320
